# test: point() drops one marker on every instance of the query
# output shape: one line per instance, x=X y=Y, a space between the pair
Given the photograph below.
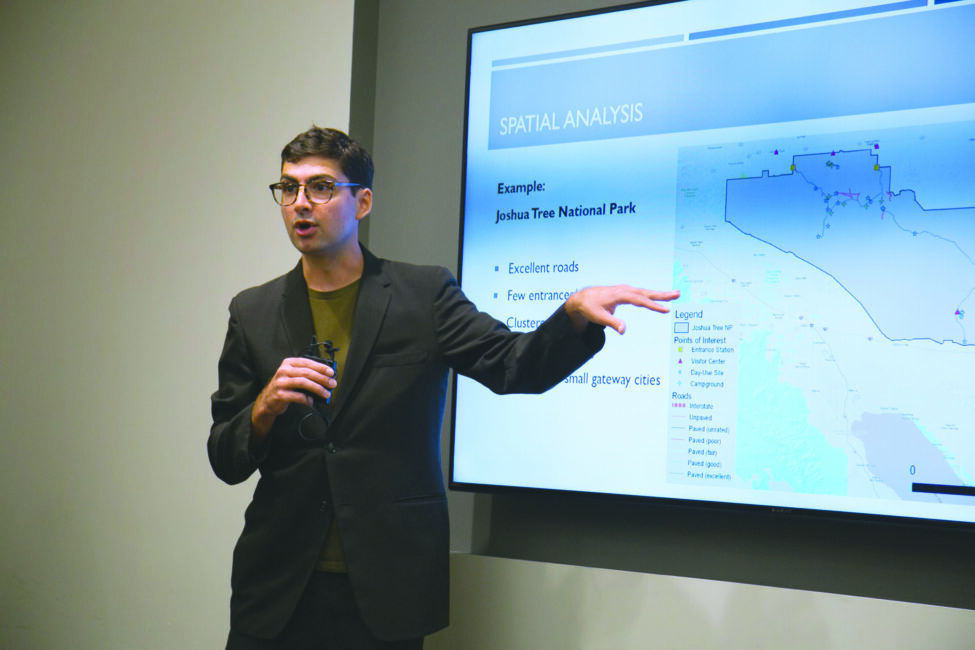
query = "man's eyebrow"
x=320 y=177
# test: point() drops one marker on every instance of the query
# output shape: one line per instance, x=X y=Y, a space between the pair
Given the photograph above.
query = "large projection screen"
x=804 y=173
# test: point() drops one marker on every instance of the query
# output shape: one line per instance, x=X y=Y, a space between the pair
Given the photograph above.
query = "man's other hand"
x=598 y=304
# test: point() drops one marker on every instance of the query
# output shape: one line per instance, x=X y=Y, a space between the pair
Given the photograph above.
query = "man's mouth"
x=304 y=227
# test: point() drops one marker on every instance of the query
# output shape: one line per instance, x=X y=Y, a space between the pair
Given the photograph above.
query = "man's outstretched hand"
x=598 y=304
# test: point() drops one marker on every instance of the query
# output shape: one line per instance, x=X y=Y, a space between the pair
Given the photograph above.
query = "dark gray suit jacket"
x=376 y=469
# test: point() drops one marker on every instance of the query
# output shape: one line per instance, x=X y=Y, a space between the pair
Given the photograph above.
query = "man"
x=345 y=543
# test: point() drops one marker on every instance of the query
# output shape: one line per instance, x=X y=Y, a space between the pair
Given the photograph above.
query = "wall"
x=139 y=139
x=500 y=604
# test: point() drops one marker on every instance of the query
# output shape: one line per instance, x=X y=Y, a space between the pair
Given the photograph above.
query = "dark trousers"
x=327 y=618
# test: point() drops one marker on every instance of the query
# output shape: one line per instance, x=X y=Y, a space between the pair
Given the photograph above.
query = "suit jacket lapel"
x=370 y=310
x=296 y=311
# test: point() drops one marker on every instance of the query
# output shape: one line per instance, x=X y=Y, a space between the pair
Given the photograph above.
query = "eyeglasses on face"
x=317 y=190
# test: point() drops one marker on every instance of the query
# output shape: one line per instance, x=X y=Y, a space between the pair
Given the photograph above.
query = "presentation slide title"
x=599 y=116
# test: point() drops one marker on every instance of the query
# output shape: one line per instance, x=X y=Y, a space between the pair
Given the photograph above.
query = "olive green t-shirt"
x=332 y=312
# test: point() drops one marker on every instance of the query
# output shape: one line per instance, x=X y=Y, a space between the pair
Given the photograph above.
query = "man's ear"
x=363 y=200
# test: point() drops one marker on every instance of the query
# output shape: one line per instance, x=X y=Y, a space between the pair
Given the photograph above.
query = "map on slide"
x=847 y=263
x=831 y=208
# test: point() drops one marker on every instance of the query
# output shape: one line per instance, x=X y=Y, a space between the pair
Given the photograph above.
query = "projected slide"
x=806 y=181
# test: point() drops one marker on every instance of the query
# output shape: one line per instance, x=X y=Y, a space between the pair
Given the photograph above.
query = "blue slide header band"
x=891 y=63
x=802 y=20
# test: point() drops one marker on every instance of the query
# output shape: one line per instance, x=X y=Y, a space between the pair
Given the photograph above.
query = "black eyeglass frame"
x=303 y=187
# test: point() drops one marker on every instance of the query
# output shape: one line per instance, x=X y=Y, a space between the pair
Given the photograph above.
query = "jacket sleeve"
x=479 y=346
x=228 y=446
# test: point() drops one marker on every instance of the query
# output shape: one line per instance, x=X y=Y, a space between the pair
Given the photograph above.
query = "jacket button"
x=324 y=506
x=332 y=448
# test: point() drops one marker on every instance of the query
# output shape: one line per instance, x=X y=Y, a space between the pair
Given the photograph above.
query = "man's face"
x=324 y=229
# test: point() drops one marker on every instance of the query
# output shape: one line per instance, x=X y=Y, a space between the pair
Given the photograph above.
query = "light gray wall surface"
x=138 y=142
x=501 y=604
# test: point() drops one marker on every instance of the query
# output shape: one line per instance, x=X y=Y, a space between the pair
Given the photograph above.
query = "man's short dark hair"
x=355 y=161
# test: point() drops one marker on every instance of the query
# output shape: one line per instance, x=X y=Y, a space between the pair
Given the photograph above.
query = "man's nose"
x=301 y=201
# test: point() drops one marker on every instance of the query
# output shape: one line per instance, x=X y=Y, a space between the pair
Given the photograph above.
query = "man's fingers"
x=606 y=317
x=311 y=364
x=296 y=379
x=664 y=296
x=647 y=298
